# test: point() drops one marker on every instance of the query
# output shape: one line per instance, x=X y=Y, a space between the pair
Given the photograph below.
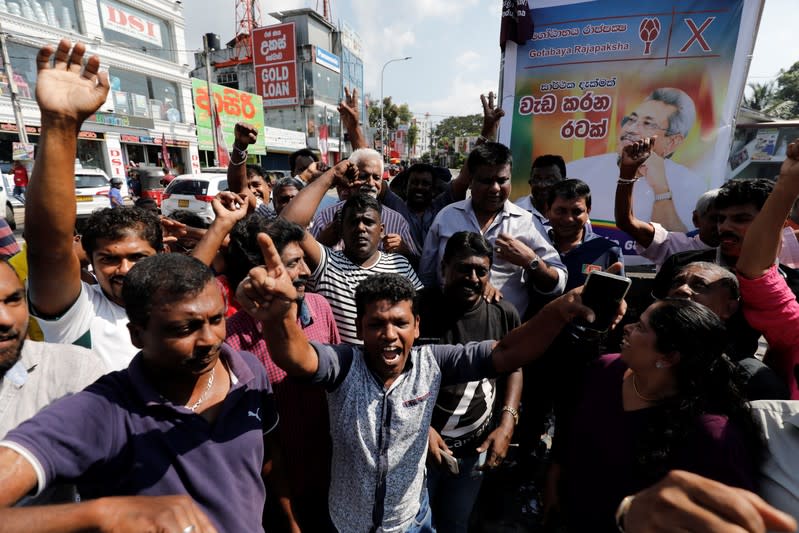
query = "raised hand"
x=633 y=156
x=244 y=135
x=348 y=109
x=491 y=116
x=790 y=167
x=230 y=207
x=268 y=292
x=68 y=90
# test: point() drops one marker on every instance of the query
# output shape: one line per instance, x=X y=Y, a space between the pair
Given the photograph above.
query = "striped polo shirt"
x=336 y=278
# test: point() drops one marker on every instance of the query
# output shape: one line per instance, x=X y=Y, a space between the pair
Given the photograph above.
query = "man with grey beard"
x=397 y=238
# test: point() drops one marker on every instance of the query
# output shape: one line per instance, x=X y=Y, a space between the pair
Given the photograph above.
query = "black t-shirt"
x=442 y=323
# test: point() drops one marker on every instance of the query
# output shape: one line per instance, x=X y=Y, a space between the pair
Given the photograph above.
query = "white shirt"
x=779 y=474
x=600 y=172
x=98 y=323
x=667 y=243
x=44 y=373
x=505 y=276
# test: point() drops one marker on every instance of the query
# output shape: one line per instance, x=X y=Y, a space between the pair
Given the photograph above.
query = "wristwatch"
x=535 y=264
x=513 y=412
x=664 y=196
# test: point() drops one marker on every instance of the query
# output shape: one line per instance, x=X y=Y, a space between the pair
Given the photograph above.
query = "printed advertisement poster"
x=233 y=106
x=765 y=144
x=601 y=74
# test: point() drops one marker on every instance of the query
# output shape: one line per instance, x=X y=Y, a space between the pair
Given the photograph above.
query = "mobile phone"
x=603 y=293
x=481 y=460
x=449 y=462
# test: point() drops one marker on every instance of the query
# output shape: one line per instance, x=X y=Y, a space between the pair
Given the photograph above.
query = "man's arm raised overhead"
x=67 y=93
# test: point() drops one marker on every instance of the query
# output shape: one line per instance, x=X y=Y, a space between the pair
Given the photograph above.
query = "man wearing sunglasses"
x=668 y=191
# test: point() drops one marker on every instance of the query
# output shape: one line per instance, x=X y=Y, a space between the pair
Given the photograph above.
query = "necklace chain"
x=641 y=396
x=204 y=395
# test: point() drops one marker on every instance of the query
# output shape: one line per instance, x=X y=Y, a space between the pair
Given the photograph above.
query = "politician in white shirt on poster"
x=669 y=190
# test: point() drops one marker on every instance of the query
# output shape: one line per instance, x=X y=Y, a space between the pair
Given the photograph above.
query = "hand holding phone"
x=602 y=293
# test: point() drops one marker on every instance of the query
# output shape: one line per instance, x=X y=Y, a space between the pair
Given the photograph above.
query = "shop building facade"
x=142 y=45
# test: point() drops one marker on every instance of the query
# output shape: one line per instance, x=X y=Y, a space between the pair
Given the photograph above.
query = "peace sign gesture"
x=491 y=116
x=268 y=292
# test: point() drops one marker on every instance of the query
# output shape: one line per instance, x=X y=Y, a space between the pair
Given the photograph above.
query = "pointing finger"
x=269 y=252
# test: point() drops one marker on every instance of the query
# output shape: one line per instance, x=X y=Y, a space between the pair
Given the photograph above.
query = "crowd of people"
x=369 y=364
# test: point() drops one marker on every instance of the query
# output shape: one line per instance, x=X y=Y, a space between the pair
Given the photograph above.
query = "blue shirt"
x=594 y=253
x=380 y=434
x=120 y=437
x=115 y=196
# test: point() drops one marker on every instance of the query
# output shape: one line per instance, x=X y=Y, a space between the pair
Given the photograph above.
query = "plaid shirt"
x=303 y=431
x=8 y=243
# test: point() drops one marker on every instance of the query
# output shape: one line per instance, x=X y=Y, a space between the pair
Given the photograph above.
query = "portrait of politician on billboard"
x=597 y=76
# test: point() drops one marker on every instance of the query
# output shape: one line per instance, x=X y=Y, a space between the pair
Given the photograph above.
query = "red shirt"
x=303 y=431
x=20 y=176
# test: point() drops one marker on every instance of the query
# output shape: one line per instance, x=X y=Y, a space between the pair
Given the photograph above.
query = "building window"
x=23 y=62
x=135 y=30
x=143 y=96
x=55 y=13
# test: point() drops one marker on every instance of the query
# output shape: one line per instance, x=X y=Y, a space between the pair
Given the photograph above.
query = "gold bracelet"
x=621 y=511
x=514 y=413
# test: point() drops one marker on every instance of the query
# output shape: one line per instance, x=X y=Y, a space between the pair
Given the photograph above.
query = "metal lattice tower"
x=248 y=16
x=325 y=9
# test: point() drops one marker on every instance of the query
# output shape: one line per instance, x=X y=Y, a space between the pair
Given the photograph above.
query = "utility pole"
x=211 y=104
x=12 y=85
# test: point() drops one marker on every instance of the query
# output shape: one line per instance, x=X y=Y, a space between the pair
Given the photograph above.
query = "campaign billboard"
x=275 y=62
x=599 y=74
x=233 y=106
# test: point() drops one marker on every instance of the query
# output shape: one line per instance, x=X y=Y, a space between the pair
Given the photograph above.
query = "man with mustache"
x=368 y=180
x=178 y=441
x=336 y=274
x=34 y=374
x=304 y=430
x=67 y=309
x=668 y=190
x=456 y=315
x=523 y=256
x=738 y=203
x=580 y=249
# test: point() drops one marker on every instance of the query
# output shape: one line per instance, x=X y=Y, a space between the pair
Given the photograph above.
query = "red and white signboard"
x=114 y=152
x=115 y=17
x=275 y=61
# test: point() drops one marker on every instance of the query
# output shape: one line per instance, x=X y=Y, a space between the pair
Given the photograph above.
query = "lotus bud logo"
x=648 y=31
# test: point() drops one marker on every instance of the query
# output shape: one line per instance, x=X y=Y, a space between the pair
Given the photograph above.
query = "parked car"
x=194 y=192
x=5 y=199
x=91 y=191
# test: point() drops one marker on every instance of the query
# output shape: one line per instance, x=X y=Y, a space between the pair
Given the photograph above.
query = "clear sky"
x=454 y=44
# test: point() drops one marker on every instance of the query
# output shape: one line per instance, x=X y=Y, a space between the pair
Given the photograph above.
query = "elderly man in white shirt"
x=522 y=253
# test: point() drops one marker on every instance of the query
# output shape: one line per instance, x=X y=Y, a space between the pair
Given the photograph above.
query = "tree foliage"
x=393 y=114
x=451 y=127
x=763 y=96
x=787 y=93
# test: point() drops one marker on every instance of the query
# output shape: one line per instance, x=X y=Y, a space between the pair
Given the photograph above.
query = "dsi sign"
x=327 y=59
x=116 y=18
